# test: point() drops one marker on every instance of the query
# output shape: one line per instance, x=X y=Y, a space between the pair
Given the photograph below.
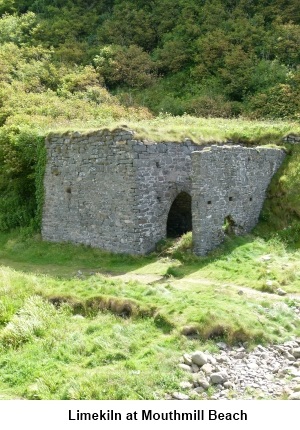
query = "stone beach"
x=266 y=372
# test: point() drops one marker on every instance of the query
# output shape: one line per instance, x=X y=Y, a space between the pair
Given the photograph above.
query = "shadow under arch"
x=180 y=215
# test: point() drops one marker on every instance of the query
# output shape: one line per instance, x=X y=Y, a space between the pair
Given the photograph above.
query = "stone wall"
x=229 y=188
x=109 y=190
x=163 y=171
x=90 y=190
x=292 y=138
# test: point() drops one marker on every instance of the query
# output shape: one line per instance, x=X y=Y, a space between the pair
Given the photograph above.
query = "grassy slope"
x=75 y=352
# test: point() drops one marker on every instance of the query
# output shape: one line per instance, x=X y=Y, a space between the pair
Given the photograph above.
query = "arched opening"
x=180 y=216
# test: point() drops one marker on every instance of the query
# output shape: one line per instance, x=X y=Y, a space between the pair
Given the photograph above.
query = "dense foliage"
x=21 y=176
x=208 y=57
x=79 y=61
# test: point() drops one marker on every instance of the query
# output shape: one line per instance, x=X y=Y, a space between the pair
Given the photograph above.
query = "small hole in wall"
x=250 y=199
x=230 y=199
x=249 y=158
x=209 y=202
x=157 y=164
x=68 y=190
x=228 y=226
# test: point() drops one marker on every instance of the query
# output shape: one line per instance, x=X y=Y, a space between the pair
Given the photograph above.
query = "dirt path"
x=142 y=278
x=184 y=283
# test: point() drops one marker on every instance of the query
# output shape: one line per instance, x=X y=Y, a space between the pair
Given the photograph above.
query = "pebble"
x=195 y=368
x=187 y=359
x=207 y=368
x=199 y=390
x=296 y=352
x=295 y=396
x=266 y=257
x=270 y=372
x=185 y=384
x=204 y=384
x=199 y=358
x=222 y=345
x=180 y=396
x=218 y=378
x=185 y=367
x=280 y=292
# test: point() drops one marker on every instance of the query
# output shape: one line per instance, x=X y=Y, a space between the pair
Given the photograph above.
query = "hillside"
x=81 y=323
x=205 y=58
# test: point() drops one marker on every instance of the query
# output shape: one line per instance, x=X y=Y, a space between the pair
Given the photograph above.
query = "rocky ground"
x=267 y=372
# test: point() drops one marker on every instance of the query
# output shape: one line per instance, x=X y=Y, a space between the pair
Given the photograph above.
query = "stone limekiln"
x=108 y=190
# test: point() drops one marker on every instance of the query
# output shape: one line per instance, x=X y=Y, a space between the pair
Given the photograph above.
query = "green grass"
x=32 y=254
x=168 y=128
x=165 y=127
x=200 y=130
x=103 y=334
x=239 y=260
x=103 y=357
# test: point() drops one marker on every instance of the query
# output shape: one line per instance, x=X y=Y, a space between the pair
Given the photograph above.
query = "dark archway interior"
x=180 y=216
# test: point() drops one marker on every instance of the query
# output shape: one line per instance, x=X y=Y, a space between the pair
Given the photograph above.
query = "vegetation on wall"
x=281 y=211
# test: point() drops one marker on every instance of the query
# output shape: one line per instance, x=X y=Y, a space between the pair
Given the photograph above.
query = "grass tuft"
x=31 y=321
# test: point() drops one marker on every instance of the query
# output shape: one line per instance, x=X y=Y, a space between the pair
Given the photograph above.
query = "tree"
x=125 y=65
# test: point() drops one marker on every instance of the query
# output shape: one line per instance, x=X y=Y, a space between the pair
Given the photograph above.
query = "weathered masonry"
x=229 y=185
x=108 y=190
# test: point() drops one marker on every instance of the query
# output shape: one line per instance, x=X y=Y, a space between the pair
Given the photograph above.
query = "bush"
x=125 y=65
x=21 y=175
x=79 y=79
x=210 y=106
x=280 y=101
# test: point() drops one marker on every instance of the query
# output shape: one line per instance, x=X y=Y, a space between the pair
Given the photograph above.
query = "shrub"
x=280 y=101
x=21 y=176
x=210 y=106
x=125 y=65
